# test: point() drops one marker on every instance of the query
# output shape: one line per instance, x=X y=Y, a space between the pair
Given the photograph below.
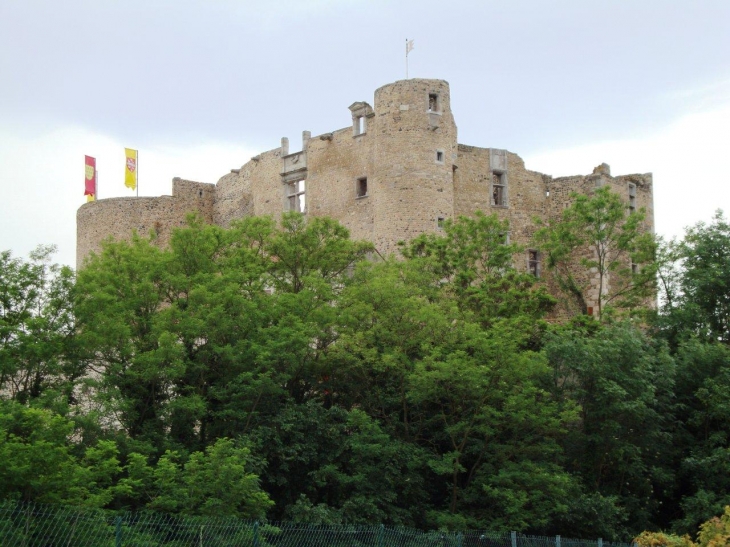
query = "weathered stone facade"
x=396 y=172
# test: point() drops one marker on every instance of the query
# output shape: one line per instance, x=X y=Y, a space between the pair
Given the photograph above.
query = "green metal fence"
x=31 y=525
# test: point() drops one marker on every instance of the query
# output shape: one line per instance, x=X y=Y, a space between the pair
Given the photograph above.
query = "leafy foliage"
x=273 y=370
x=597 y=234
x=36 y=327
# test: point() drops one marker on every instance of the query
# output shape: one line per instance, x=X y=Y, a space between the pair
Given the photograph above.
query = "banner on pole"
x=89 y=177
x=130 y=168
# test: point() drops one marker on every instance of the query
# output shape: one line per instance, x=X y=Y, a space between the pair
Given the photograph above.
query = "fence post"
x=557 y=541
x=256 y=534
x=381 y=535
x=514 y=539
x=600 y=542
x=118 y=532
x=459 y=540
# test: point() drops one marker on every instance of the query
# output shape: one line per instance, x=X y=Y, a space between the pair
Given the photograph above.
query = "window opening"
x=533 y=262
x=362 y=187
x=440 y=222
x=634 y=268
x=296 y=196
x=499 y=194
x=358 y=125
x=439 y=156
x=632 y=198
x=433 y=102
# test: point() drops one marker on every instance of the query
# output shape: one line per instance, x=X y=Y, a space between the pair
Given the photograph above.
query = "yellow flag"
x=130 y=169
x=89 y=197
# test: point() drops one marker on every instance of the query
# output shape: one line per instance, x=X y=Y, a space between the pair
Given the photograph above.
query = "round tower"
x=414 y=154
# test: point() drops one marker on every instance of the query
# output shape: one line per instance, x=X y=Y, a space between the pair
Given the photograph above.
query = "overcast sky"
x=201 y=86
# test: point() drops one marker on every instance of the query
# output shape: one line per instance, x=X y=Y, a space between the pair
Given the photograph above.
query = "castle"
x=396 y=172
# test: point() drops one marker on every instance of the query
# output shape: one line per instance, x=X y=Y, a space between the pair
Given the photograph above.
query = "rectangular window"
x=433 y=103
x=439 y=156
x=499 y=190
x=358 y=125
x=533 y=262
x=632 y=198
x=440 y=222
x=295 y=196
x=361 y=189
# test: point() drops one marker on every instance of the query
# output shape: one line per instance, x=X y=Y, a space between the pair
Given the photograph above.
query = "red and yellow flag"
x=89 y=178
x=130 y=168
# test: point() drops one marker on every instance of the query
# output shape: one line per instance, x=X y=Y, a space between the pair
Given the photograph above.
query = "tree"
x=41 y=464
x=696 y=284
x=623 y=383
x=198 y=341
x=37 y=344
x=473 y=262
x=331 y=465
x=702 y=436
x=597 y=237
x=492 y=435
x=715 y=532
x=118 y=296
x=216 y=482
x=451 y=380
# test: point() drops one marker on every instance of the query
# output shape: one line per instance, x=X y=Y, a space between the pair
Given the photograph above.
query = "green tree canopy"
x=597 y=235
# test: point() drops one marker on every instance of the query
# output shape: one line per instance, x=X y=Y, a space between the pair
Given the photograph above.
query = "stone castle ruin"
x=397 y=171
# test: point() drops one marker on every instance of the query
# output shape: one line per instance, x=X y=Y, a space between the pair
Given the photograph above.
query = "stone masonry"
x=397 y=171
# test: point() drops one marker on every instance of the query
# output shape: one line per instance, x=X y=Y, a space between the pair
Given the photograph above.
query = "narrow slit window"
x=440 y=222
x=533 y=262
x=296 y=196
x=499 y=190
x=361 y=189
x=632 y=198
x=439 y=156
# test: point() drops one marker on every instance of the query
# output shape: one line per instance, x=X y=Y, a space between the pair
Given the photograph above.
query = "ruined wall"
x=403 y=150
x=119 y=218
x=471 y=181
x=560 y=191
x=335 y=163
x=524 y=190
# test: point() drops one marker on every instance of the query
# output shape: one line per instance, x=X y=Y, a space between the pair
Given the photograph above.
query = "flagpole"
x=96 y=185
x=137 y=168
x=406 y=58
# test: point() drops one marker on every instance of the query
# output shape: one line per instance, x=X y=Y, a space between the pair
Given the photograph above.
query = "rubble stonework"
x=397 y=171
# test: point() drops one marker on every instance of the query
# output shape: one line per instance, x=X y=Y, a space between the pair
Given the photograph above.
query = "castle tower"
x=414 y=151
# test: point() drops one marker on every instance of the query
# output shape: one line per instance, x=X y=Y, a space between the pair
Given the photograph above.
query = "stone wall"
x=119 y=218
x=403 y=151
